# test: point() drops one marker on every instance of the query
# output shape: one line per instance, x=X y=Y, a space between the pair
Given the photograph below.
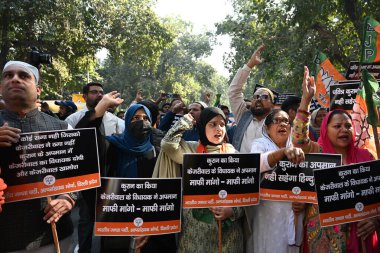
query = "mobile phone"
x=172 y=95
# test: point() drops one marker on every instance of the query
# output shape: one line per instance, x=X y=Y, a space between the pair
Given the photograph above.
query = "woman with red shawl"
x=337 y=137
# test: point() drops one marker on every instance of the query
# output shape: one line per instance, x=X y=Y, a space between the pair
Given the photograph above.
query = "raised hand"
x=308 y=85
x=256 y=57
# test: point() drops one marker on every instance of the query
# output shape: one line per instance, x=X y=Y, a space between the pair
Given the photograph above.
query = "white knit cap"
x=25 y=66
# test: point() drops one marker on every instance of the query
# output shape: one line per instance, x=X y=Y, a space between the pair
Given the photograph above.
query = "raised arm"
x=172 y=144
x=235 y=91
x=300 y=133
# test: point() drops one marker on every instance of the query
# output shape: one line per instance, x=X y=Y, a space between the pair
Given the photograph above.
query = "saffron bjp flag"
x=371 y=41
x=363 y=116
x=325 y=76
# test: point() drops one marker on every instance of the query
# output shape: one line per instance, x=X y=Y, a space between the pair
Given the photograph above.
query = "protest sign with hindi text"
x=50 y=163
x=291 y=182
x=133 y=207
x=220 y=180
x=348 y=193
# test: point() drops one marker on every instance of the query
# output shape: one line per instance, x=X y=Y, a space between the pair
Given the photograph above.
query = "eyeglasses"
x=96 y=92
x=281 y=120
x=262 y=97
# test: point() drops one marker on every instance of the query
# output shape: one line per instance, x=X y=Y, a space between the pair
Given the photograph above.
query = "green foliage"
x=292 y=30
x=179 y=68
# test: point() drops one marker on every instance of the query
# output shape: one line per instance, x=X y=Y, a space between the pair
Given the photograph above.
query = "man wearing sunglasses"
x=249 y=122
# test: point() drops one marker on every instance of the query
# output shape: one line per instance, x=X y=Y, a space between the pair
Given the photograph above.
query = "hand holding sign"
x=366 y=227
x=8 y=135
x=56 y=209
x=295 y=155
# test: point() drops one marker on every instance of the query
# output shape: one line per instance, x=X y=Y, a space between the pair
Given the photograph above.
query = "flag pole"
x=220 y=246
x=54 y=231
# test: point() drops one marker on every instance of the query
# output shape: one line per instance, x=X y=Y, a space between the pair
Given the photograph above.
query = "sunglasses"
x=262 y=97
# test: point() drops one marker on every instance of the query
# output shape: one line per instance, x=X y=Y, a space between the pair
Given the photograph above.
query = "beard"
x=260 y=111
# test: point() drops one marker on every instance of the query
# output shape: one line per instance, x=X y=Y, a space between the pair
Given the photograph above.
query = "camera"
x=37 y=57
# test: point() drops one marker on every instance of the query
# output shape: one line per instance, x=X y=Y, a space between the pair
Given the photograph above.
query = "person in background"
x=120 y=114
x=275 y=219
x=337 y=137
x=165 y=107
x=46 y=109
x=195 y=110
x=66 y=108
x=176 y=111
x=94 y=95
x=201 y=235
x=290 y=106
x=315 y=123
x=25 y=226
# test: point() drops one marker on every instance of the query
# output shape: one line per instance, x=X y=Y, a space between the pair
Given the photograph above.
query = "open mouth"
x=282 y=131
x=344 y=137
x=259 y=105
x=218 y=136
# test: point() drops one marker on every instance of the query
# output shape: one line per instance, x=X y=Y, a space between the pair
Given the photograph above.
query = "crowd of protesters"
x=149 y=139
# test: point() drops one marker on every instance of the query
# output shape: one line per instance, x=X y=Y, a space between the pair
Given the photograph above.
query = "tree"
x=73 y=31
x=291 y=31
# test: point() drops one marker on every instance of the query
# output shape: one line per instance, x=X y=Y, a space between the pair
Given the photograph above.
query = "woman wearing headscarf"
x=131 y=155
x=274 y=221
x=200 y=226
x=316 y=121
x=337 y=137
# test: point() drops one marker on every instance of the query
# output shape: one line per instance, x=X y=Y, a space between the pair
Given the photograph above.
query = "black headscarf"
x=208 y=114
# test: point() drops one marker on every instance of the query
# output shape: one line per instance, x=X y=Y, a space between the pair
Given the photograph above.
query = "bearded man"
x=249 y=121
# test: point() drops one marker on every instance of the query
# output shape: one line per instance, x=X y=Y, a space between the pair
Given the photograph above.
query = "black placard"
x=129 y=207
x=348 y=193
x=50 y=163
x=342 y=95
x=290 y=182
x=220 y=180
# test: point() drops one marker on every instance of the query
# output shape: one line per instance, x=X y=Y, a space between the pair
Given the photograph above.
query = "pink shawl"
x=354 y=155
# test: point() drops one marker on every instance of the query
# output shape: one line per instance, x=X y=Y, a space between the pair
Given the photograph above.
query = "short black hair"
x=291 y=102
x=86 y=88
x=222 y=107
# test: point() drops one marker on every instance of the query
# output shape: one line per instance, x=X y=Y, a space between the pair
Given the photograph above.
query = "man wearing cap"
x=94 y=96
x=25 y=225
x=249 y=123
x=66 y=108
